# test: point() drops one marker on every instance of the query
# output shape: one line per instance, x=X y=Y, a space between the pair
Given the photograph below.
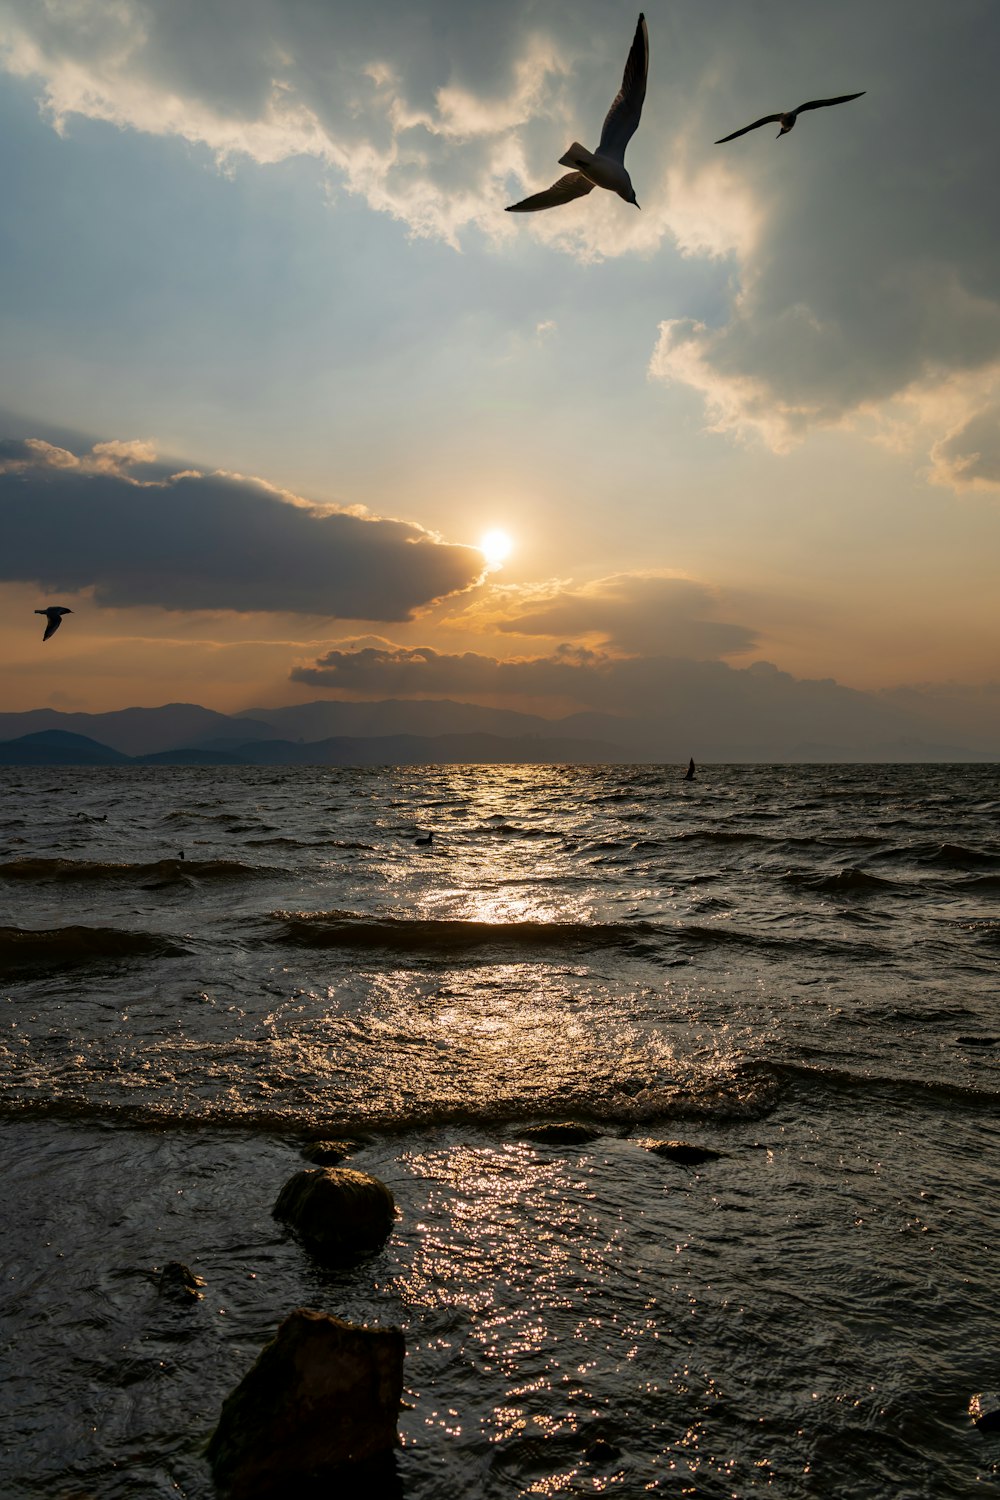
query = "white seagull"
x=788 y=120
x=53 y=615
x=604 y=167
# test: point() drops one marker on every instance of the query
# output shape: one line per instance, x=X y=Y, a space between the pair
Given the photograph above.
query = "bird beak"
x=638 y=205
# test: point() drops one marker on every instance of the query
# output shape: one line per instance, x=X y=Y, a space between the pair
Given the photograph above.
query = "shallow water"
x=794 y=965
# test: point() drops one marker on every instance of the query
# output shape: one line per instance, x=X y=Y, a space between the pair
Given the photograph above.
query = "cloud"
x=18 y=455
x=418 y=114
x=193 y=541
x=633 y=613
x=967 y=713
x=658 y=705
x=438 y=116
x=395 y=671
x=857 y=255
x=873 y=270
x=969 y=456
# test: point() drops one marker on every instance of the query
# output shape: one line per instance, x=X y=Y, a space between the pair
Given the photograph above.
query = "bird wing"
x=623 y=117
x=54 y=622
x=764 y=120
x=821 y=103
x=573 y=185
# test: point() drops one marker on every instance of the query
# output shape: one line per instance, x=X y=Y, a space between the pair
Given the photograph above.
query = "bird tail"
x=576 y=156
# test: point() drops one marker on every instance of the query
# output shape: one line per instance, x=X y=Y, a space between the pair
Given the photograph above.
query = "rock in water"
x=561 y=1132
x=179 y=1282
x=341 y=1215
x=319 y=1408
x=684 y=1152
x=328 y=1153
x=984 y=1409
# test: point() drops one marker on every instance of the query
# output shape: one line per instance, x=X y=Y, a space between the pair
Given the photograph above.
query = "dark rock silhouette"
x=684 y=1152
x=180 y=1283
x=561 y=1132
x=984 y=1409
x=316 y=1414
x=339 y=1214
x=328 y=1153
x=601 y=1451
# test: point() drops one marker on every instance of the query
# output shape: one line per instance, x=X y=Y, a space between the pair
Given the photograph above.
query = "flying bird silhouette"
x=53 y=615
x=604 y=167
x=788 y=120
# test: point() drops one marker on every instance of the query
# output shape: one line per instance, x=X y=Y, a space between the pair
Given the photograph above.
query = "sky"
x=274 y=359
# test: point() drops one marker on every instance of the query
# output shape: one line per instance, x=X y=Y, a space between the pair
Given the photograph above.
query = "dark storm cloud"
x=14 y=451
x=591 y=679
x=874 y=269
x=663 y=706
x=637 y=613
x=969 y=457
x=396 y=671
x=862 y=245
x=381 y=94
x=209 y=542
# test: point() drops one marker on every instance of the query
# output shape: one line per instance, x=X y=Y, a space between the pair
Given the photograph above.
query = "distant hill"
x=137 y=731
x=186 y=726
x=706 y=709
x=55 y=747
x=330 y=717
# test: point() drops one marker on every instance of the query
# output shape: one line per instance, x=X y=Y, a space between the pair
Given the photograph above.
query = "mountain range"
x=828 y=724
x=60 y=747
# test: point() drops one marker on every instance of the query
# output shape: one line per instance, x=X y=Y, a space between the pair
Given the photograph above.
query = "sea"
x=795 y=967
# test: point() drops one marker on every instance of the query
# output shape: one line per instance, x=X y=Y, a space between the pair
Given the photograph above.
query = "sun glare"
x=496 y=547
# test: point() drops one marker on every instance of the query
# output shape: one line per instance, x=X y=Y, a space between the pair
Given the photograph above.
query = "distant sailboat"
x=689 y=774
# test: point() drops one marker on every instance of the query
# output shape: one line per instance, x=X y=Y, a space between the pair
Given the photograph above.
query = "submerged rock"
x=562 y=1132
x=179 y=1282
x=340 y=1215
x=602 y=1452
x=318 y=1409
x=684 y=1152
x=328 y=1153
x=984 y=1409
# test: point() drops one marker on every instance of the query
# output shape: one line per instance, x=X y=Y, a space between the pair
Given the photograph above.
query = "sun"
x=496 y=547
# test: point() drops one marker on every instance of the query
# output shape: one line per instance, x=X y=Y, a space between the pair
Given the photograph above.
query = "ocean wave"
x=96 y=869
x=843 y=882
x=342 y=929
x=959 y=857
x=726 y=836
x=293 y=843
x=747 y=1093
x=985 y=931
x=764 y=942
x=517 y=831
x=921 y=1091
x=52 y=947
